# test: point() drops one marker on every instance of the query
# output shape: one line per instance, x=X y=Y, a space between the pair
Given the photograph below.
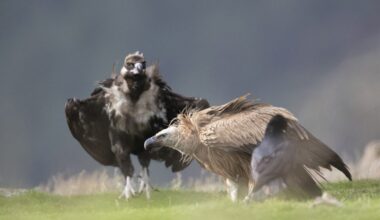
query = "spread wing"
x=313 y=153
x=107 y=83
x=242 y=131
x=89 y=125
x=175 y=104
x=173 y=159
x=283 y=154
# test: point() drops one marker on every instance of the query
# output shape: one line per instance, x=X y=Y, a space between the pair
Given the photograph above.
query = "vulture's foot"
x=145 y=183
x=128 y=191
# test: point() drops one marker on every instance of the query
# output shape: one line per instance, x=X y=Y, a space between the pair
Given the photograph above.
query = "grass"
x=361 y=201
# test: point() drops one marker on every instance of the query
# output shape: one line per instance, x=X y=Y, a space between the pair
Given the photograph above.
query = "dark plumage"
x=282 y=161
x=122 y=112
x=89 y=124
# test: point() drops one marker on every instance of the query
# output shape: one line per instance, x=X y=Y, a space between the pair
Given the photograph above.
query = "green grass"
x=361 y=201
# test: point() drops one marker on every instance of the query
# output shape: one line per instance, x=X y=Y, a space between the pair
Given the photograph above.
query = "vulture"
x=222 y=139
x=121 y=113
x=283 y=161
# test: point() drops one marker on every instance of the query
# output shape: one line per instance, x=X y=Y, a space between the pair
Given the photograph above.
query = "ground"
x=361 y=201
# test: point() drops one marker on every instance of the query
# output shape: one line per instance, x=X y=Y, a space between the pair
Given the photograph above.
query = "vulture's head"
x=134 y=71
x=134 y=65
x=181 y=135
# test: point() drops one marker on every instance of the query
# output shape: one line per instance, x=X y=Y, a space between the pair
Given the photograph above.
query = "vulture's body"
x=282 y=162
x=121 y=113
x=222 y=138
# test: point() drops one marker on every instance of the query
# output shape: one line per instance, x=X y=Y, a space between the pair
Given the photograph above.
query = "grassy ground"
x=361 y=201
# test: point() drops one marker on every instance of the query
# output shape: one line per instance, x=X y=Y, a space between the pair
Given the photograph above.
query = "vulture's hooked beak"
x=136 y=68
x=151 y=144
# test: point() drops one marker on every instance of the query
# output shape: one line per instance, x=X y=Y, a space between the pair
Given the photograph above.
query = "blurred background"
x=320 y=59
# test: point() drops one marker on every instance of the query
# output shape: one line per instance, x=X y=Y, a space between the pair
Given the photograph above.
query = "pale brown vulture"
x=222 y=138
x=121 y=113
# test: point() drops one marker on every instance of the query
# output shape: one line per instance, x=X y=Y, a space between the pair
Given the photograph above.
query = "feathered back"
x=235 y=106
x=237 y=125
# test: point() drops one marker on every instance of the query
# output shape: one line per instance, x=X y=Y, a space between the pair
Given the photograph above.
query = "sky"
x=318 y=58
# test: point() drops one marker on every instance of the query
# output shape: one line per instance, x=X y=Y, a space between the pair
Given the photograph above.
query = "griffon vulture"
x=222 y=138
x=282 y=161
x=121 y=113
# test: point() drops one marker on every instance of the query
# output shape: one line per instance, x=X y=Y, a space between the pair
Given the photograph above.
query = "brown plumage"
x=222 y=138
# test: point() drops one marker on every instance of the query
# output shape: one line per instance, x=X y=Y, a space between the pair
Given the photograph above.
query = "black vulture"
x=282 y=162
x=121 y=113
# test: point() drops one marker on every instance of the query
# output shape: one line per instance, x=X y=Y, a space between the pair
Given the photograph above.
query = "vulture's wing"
x=107 y=83
x=282 y=154
x=174 y=104
x=89 y=124
x=277 y=158
x=172 y=158
x=240 y=125
x=314 y=154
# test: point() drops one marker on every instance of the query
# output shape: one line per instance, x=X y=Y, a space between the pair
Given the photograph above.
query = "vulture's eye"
x=162 y=135
x=130 y=66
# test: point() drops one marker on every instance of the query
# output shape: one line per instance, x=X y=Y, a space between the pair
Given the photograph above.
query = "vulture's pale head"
x=181 y=135
x=134 y=74
x=134 y=66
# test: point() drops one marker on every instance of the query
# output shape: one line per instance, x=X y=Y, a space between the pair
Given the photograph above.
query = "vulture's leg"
x=145 y=180
x=127 y=170
x=248 y=198
x=232 y=189
x=123 y=159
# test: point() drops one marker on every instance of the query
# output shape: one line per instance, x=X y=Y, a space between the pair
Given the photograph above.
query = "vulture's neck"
x=136 y=87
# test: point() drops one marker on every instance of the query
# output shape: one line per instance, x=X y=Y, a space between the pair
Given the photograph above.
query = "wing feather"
x=241 y=131
x=310 y=153
x=89 y=125
x=315 y=154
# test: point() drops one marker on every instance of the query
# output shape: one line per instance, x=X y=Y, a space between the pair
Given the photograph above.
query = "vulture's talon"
x=128 y=191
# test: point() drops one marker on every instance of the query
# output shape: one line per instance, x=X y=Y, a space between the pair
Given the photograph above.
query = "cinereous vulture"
x=121 y=113
x=222 y=139
x=282 y=162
